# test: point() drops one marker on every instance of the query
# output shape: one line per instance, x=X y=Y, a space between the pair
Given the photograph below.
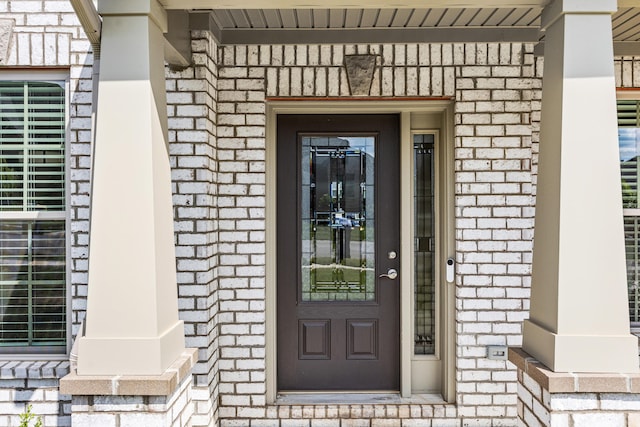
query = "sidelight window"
x=424 y=253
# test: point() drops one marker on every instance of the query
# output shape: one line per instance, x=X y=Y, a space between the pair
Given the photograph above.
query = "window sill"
x=357 y=398
x=40 y=369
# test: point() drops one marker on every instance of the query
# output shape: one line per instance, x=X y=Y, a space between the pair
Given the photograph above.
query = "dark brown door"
x=338 y=236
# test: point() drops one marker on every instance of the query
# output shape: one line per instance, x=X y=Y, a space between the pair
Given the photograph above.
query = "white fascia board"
x=379 y=35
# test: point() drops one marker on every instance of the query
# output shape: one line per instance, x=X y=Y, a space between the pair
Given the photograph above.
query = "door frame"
x=341 y=368
x=446 y=245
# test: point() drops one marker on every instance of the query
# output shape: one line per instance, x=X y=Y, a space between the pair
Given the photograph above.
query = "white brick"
x=26 y=6
x=620 y=402
x=598 y=419
x=93 y=420
x=574 y=402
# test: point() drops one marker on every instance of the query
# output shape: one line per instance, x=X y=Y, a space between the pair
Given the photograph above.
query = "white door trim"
x=446 y=247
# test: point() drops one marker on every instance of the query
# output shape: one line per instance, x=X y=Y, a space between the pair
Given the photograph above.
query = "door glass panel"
x=338 y=259
x=424 y=227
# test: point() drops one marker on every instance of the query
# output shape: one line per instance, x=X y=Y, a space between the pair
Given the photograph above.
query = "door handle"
x=392 y=273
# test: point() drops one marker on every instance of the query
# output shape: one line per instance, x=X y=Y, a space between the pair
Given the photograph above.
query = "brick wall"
x=217 y=143
x=135 y=411
x=35 y=383
x=192 y=108
x=47 y=34
x=494 y=87
x=550 y=399
x=497 y=89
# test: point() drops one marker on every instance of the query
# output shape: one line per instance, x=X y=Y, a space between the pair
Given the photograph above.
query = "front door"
x=338 y=252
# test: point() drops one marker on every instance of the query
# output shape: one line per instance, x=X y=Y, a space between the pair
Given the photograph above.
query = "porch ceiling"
x=520 y=22
x=358 y=4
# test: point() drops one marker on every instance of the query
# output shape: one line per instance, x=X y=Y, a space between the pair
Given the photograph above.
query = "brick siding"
x=192 y=108
x=495 y=87
x=48 y=34
x=217 y=148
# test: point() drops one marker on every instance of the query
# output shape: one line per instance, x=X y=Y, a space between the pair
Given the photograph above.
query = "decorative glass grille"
x=424 y=258
x=338 y=246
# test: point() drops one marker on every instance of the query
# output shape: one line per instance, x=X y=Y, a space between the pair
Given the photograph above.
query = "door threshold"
x=356 y=397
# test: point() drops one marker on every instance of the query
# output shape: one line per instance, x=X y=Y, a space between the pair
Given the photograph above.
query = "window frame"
x=48 y=352
x=628 y=94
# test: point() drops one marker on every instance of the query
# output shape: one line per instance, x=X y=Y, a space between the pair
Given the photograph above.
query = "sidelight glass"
x=424 y=231
x=337 y=205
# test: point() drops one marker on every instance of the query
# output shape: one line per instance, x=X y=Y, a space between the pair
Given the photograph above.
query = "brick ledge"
x=132 y=385
x=573 y=382
x=33 y=369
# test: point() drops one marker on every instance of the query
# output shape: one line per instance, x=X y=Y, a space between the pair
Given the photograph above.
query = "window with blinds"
x=629 y=142
x=32 y=217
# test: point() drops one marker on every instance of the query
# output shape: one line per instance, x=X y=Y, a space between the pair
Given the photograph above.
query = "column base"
x=130 y=356
x=556 y=399
x=132 y=385
x=581 y=353
x=112 y=400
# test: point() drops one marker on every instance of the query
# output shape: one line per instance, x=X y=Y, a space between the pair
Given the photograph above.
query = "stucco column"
x=579 y=316
x=132 y=325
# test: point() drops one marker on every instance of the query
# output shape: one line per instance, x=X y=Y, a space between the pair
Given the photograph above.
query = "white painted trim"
x=406 y=253
x=61 y=76
x=377 y=35
x=27 y=74
x=32 y=215
x=427 y=366
x=404 y=108
x=271 y=296
x=67 y=193
x=448 y=248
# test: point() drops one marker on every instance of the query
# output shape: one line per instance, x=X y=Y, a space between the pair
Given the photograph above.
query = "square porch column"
x=579 y=317
x=132 y=325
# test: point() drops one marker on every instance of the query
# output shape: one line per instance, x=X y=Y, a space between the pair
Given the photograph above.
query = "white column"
x=132 y=325
x=579 y=315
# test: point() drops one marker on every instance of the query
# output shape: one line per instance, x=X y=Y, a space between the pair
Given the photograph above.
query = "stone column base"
x=128 y=401
x=553 y=399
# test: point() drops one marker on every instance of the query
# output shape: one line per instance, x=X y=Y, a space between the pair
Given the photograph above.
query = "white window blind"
x=32 y=216
x=32 y=131
x=629 y=142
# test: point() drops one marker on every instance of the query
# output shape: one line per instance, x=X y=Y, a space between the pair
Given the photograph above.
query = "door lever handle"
x=392 y=273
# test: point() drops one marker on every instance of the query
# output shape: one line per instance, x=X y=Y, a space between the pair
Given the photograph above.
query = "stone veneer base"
x=554 y=399
x=120 y=401
x=132 y=385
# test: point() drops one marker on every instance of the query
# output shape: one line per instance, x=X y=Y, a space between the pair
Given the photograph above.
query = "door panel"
x=337 y=225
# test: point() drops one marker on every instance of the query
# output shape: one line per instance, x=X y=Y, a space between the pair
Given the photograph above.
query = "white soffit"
x=360 y=4
x=381 y=25
x=350 y=4
x=380 y=21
